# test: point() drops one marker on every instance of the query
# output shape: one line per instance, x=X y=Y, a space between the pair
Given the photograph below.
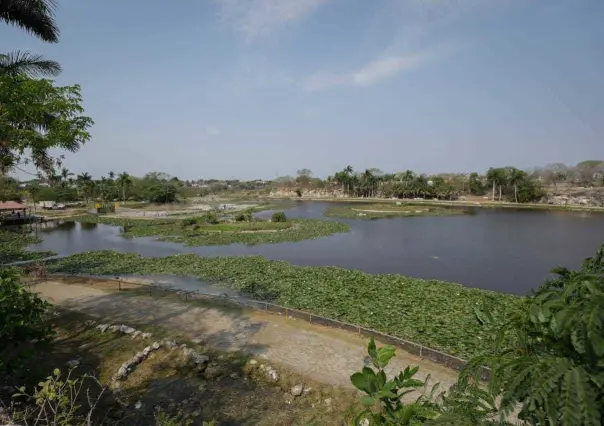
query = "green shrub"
x=22 y=313
x=279 y=217
x=240 y=217
x=189 y=221
x=211 y=218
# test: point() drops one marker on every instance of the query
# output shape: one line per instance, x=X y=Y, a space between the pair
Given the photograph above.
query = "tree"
x=34 y=16
x=514 y=177
x=496 y=177
x=554 y=173
x=475 y=184
x=86 y=185
x=37 y=18
x=124 y=181
x=304 y=176
x=36 y=116
x=549 y=352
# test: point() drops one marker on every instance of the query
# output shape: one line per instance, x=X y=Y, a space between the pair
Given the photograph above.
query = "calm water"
x=503 y=250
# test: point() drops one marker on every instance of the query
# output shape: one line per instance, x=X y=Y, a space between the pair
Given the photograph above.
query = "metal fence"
x=414 y=348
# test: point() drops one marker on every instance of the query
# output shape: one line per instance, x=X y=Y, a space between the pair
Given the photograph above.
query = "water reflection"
x=504 y=250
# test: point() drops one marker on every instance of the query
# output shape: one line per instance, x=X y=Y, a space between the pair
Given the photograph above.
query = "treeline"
x=154 y=187
x=499 y=183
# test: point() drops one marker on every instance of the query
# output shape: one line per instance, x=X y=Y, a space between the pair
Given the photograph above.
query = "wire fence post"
x=119 y=285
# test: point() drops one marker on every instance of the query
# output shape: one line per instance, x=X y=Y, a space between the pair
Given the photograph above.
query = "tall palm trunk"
x=500 y=193
x=493 y=197
x=124 y=193
x=516 y=192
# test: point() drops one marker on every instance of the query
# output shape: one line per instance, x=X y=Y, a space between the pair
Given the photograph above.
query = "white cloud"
x=212 y=131
x=371 y=73
x=258 y=18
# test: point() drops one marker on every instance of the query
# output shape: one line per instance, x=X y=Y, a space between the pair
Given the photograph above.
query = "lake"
x=503 y=250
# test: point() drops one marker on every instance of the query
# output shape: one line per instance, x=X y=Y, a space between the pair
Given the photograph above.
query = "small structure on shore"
x=13 y=213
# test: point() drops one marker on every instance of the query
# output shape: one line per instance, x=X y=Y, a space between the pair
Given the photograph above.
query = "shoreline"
x=456 y=203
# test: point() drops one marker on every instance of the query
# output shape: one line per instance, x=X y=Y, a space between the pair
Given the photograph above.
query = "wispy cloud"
x=371 y=73
x=258 y=18
x=212 y=131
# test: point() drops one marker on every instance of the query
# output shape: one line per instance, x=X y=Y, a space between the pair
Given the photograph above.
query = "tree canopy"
x=36 y=116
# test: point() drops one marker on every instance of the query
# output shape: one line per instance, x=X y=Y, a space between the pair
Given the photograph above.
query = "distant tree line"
x=498 y=183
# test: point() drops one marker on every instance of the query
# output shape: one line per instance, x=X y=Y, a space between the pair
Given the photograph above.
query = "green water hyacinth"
x=434 y=313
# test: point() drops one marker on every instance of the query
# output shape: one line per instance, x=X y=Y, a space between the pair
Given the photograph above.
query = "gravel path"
x=323 y=354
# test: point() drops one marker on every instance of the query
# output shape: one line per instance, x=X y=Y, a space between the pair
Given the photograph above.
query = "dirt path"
x=323 y=354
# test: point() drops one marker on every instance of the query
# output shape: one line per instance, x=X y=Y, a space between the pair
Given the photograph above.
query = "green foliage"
x=383 y=398
x=38 y=116
x=175 y=230
x=476 y=186
x=58 y=401
x=211 y=217
x=278 y=217
x=240 y=217
x=549 y=351
x=13 y=244
x=22 y=313
x=444 y=319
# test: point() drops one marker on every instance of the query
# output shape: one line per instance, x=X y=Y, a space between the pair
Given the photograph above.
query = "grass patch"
x=435 y=313
x=13 y=244
x=381 y=211
x=183 y=231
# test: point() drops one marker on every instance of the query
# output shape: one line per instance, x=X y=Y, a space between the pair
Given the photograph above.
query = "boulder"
x=126 y=330
x=102 y=327
x=297 y=390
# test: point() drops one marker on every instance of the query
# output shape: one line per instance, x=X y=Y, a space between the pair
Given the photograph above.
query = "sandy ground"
x=321 y=353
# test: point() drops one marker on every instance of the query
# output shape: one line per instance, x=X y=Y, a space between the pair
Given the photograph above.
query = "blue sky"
x=255 y=88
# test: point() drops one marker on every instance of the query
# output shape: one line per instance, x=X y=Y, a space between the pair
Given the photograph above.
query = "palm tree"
x=29 y=64
x=85 y=184
x=515 y=176
x=124 y=180
x=497 y=177
x=37 y=18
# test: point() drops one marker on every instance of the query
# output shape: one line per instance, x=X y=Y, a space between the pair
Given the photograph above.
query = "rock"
x=253 y=362
x=122 y=372
x=126 y=330
x=155 y=346
x=327 y=401
x=89 y=323
x=213 y=372
x=272 y=374
x=138 y=405
x=136 y=334
x=289 y=398
x=146 y=335
x=102 y=327
x=197 y=341
x=364 y=422
x=140 y=357
x=234 y=376
x=114 y=328
x=72 y=363
x=306 y=391
x=147 y=350
x=170 y=344
x=297 y=390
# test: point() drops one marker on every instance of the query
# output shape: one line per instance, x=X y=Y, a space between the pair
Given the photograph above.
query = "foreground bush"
x=22 y=313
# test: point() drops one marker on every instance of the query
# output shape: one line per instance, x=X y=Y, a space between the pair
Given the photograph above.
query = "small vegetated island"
x=381 y=211
x=210 y=229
